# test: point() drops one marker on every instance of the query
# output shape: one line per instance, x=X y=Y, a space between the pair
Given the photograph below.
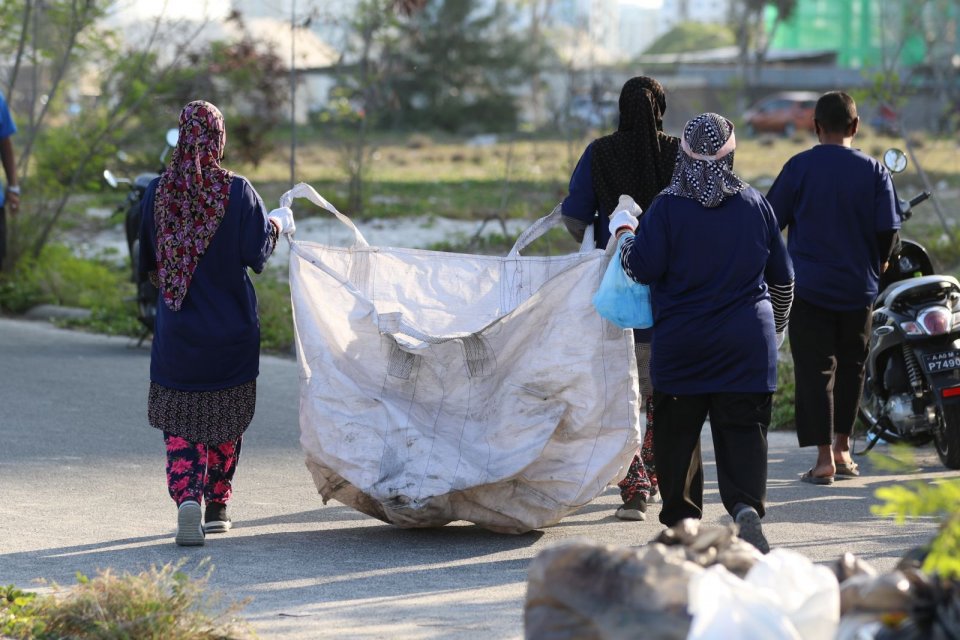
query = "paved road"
x=81 y=480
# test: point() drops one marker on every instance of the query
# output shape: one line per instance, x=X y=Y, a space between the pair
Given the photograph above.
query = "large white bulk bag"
x=438 y=386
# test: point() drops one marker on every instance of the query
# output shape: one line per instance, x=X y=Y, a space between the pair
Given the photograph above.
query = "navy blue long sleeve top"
x=708 y=271
x=213 y=341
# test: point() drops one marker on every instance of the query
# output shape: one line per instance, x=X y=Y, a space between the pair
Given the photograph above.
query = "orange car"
x=784 y=113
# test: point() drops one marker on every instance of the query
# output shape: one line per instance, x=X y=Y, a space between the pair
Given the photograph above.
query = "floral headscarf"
x=704 y=169
x=191 y=199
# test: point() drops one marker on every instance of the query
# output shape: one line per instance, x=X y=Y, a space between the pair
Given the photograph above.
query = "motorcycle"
x=146 y=292
x=911 y=393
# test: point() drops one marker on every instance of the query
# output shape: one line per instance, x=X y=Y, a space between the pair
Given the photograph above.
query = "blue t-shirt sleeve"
x=782 y=197
x=7 y=127
x=581 y=200
x=256 y=242
x=886 y=206
x=646 y=261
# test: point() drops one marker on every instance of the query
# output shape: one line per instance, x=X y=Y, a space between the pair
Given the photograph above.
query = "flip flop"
x=812 y=479
x=849 y=470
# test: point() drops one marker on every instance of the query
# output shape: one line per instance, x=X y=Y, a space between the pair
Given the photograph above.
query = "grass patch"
x=157 y=604
x=60 y=278
x=276 y=313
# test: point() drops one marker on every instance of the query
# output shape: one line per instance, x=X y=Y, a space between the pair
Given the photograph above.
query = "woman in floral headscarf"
x=201 y=228
x=710 y=248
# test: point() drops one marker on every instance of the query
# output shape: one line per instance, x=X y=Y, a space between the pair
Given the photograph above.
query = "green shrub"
x=17 y=619
x=157 y=604
x=917 y=499
x=58 y=277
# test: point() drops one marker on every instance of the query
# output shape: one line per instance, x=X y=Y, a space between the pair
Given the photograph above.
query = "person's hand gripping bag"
x=620 y=299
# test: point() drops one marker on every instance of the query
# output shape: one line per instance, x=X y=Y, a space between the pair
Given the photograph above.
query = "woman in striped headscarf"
x=721 y=281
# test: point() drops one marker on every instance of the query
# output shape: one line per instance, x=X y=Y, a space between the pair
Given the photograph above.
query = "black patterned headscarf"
x=638 y=158
x=705 y=165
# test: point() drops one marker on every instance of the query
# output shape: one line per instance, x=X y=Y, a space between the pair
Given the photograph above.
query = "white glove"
x=284 y=219
x=780 y=339
x=625 y=215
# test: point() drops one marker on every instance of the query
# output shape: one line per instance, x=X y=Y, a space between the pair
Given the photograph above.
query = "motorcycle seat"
x=891 y=293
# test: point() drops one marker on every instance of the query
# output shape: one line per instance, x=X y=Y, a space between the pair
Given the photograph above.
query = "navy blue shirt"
x=213 y=341
x=581 y=204
x=708 y=271
x=834 y=200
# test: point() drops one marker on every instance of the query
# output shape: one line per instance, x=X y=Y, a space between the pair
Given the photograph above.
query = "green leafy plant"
x=916 y=499
x=152 y=605
x=17 y=618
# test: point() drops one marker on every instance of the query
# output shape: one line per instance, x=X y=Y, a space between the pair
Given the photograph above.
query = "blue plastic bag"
x=622 y=300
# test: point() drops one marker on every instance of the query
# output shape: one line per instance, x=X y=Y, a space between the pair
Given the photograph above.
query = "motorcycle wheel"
x=946 y=437
x=877 y=426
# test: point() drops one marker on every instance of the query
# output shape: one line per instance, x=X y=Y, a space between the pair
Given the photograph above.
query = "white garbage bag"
x=784 y=596
x=437 y=386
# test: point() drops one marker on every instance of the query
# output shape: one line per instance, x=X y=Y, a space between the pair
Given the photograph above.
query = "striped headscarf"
x=704 y=170
x=191 y=199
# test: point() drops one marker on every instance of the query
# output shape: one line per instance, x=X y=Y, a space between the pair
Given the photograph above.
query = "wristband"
x=14 y=188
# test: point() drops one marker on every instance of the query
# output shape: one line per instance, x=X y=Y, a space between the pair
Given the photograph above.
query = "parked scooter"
x=912 y=389
x=146 y=293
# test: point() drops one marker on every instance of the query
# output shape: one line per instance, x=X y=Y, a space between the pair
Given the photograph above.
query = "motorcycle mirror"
x=895 y=160
x=110 y=178
x=172 y=136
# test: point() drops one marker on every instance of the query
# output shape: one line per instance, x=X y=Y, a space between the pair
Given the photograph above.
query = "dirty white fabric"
x=437 y=387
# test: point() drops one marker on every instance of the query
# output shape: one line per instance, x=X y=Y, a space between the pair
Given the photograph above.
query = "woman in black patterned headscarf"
x=636 y=160
x=721 y=282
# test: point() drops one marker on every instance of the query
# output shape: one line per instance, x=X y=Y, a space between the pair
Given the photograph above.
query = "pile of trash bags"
x=704 y=583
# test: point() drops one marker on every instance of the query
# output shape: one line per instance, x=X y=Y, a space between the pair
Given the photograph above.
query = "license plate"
x=942 y=361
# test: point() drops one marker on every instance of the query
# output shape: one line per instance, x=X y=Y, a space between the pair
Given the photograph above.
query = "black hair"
x=835 y=112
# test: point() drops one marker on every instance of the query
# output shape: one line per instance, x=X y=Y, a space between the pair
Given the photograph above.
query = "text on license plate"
x=942 y=361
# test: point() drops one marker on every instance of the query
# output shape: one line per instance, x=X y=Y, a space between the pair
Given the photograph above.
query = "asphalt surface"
x=82 y=486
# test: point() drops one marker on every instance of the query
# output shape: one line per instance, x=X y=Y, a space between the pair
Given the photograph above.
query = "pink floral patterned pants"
x=196 y=471
x=641 y=478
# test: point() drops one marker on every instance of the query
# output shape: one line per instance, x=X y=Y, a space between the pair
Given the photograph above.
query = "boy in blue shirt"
x=841 y=210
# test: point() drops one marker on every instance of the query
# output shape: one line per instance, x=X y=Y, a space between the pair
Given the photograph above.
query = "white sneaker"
x=189 y=527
